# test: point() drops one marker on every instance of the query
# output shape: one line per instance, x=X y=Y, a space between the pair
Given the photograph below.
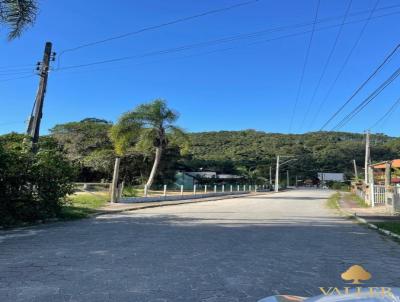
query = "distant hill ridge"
x=317 y=150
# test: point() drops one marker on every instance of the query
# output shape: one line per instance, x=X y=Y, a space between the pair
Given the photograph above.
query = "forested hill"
x=328 y=151
x=249 y=152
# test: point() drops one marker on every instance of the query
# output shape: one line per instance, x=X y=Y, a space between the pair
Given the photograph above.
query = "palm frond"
x=126 y=132
x=156 y=113
x=178 y=137
x=146 y=127
x=146 y=140
x=17 y=15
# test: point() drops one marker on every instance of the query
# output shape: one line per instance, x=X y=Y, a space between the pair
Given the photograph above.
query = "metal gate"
x=379 y=195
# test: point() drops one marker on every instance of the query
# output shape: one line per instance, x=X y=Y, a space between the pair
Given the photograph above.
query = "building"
x=229 y=176
x=323 y=176
x=189 y=179
x=379 y=171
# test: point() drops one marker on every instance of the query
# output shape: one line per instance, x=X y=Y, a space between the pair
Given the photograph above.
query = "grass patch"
x=81 y=205
x=333 y=200
x=390 y=226
x=130 y=191
x=355 y=198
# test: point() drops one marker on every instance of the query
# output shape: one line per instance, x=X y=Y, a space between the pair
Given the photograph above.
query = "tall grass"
x=333 y=201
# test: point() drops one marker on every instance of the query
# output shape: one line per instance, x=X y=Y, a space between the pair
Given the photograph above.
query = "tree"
x=32 y=185
x=251 y=174
x=87 y=144
x=79 y=139
x=149 y=128
x=17 y=15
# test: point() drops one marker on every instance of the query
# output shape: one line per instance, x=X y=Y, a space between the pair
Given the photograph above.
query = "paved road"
x=230 y=250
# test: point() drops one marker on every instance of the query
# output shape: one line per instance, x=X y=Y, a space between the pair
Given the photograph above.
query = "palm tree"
x=149 y=128
x=17 y=15
x=251 y=174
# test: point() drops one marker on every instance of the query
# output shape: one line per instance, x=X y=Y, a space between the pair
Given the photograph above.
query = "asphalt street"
x=239 y=249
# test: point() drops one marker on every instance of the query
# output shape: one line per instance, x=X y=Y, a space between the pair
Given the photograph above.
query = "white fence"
x=379 y=195
x=384 y=197
x=177 y=193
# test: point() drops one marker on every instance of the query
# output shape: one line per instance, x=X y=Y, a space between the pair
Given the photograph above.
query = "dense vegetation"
x=317 y=151
x=149 y=129
x=249 y=153
x=87 y=145
x=33 y=186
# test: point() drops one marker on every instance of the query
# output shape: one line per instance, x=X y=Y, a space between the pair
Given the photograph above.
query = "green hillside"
x=249 y=152
x=316 y=151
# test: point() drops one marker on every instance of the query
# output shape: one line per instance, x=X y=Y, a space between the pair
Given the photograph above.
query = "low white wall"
x=177 y=197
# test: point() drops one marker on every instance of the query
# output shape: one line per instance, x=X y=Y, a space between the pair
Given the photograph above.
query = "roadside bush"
x=340 y=186
x=32 y=186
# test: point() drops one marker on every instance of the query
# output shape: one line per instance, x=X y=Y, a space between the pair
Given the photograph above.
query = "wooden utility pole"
x=355 y=169
x=367 y=157
x=270 y=175
x=114 y=184
x=36 y=116
x=371 y=187
x=388 y=174
x=277 y=169
x=287 y=178
x=277 y=175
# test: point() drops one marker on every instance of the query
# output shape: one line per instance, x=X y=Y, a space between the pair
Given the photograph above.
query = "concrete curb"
x=108 y=212
x=137 y=200
x=365 y=222
x=170 y=203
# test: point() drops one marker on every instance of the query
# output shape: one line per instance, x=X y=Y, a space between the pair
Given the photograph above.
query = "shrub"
x=340 y=186
x=32 y=186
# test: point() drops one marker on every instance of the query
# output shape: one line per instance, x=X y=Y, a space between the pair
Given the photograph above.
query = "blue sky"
x=244 y=84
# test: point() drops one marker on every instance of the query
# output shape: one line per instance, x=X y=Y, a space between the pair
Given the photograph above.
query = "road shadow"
x=288 y=197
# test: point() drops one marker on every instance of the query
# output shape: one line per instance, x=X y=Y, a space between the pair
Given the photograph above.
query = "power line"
x=346 y=61
x=294 y=26
x=5 y=71
x=2 y=74
x=211 y=43
x=228 y=48
x=213 y=51
x=372 y=75
x=150 y=28
x=16 y=67
x=328 y=60
x=28 y=67
x=190 y=18
x=388 y=113
x=254 y=34
x=17 y=78
x=304 y=66
x=367 y=100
